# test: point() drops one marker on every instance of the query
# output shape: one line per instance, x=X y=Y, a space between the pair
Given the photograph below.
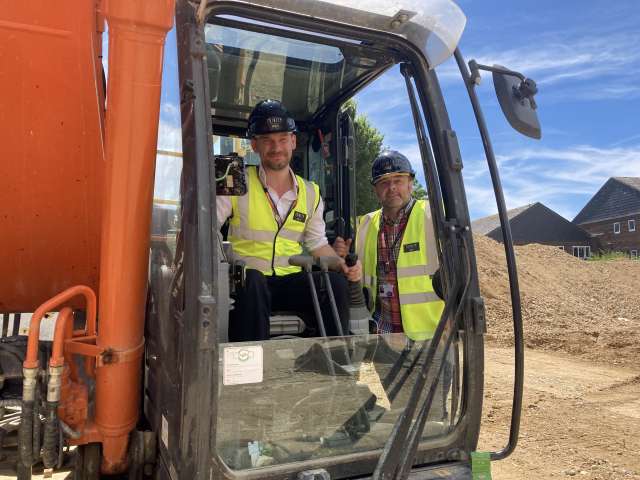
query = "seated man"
x=269 y=224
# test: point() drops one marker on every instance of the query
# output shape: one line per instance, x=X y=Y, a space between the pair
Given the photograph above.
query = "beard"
x=279 y=162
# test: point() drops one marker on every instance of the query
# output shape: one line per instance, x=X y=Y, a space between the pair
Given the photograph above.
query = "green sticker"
x=481 y=465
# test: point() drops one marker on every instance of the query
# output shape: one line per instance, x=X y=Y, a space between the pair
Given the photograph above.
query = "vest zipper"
x=275 y=239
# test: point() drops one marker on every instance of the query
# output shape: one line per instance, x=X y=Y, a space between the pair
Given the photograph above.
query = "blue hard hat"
x=390 y=162
x=270 y=116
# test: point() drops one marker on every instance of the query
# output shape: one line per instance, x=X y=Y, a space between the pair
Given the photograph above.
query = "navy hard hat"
x=270 y=116
x=390 y=162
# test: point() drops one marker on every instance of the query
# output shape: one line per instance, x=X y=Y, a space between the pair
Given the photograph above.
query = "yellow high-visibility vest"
x=255 y=234
x=420 y=307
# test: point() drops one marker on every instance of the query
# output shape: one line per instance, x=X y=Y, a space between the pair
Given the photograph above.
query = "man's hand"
x=353 y=274
x=341 y=246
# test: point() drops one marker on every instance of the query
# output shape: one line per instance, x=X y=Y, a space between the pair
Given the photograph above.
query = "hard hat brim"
x=391 y=174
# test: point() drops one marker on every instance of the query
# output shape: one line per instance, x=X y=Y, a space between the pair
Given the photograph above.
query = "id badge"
x=385 y=290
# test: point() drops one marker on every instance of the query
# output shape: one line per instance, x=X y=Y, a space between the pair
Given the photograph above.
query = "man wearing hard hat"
x=398 y=251
x=280 y=213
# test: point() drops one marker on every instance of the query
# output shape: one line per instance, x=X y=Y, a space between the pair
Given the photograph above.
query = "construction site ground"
x=581 y=408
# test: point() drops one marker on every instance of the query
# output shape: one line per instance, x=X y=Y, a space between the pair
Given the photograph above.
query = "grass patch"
x=608 y=256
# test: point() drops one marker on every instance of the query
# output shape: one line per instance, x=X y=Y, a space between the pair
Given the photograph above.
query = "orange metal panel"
x=137 y=33
x=52 y=154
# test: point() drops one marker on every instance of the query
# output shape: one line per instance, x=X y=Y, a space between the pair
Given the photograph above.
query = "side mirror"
x=517 y=103
x=515 y=94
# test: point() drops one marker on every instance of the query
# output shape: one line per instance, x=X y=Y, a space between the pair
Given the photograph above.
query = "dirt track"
x=578 y=418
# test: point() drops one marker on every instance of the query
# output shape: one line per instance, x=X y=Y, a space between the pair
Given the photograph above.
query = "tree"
x=419 y=192
x=368 y=145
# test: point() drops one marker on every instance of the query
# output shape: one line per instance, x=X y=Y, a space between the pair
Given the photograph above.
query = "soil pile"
x=588 y=309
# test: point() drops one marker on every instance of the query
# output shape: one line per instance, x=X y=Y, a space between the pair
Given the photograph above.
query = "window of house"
x=634 y=254
x=632 y=225
x=616 y=227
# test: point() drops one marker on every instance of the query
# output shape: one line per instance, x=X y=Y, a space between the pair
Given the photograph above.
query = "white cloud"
x=561 y=178
x=169 y=137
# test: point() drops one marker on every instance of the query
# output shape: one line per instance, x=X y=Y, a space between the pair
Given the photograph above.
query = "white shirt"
x=315 y=232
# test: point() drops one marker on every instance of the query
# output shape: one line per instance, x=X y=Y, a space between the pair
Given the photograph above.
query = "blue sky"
x=585 y=58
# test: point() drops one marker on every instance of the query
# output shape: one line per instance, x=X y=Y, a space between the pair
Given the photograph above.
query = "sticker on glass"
x=242 y=365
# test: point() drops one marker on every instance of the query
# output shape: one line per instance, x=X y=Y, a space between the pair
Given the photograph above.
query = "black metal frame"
x=195 y=455
x=516 y=408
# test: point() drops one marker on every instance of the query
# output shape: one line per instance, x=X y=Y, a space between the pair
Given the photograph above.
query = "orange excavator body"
x=76 y=193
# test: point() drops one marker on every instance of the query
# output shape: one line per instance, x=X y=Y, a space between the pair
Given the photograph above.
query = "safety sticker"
x=481 y=465
x=242 y=365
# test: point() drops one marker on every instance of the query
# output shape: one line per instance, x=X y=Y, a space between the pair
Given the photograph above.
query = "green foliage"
x=368 y=145
x=608 y=256
x=419 y=191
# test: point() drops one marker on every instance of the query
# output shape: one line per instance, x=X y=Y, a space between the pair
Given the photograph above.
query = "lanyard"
x=279 y=220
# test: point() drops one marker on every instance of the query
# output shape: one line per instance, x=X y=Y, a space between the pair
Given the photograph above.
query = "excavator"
x=117 y=283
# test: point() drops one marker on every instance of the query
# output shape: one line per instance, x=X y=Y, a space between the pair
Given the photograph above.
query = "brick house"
x=537 y=223
x=613 y=215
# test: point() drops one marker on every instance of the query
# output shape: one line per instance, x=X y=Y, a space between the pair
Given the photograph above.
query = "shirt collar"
x=263 y=178
x=404 y=211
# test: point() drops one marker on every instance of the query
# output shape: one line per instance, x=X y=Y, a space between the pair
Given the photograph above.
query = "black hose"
x=25 y=434
x=51 y=436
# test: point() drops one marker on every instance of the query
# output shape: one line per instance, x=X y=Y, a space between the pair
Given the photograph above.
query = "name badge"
x=385 y=290
x=300 y=217
x=412 y=247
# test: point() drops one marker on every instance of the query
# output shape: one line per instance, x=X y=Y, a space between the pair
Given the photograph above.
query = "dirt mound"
x=588 y=309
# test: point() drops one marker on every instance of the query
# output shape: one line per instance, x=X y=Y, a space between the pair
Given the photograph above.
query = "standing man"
x=280 y=213
x=398 y=251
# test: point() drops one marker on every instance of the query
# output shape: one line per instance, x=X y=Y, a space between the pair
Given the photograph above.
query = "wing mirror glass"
x=515 y=94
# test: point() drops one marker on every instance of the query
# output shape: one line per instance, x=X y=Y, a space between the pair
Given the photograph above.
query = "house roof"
x=488 y=224
x=533 y=223
x=618 y=197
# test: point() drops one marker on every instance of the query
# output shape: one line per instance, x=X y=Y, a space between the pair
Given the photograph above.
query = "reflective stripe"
x=311 y=199
x=281 y=262
x=257 y=263
x=415 y=271
x=411 y=298
x=433 y=261
x=290 y=235
x=368 y=280
x=255 y=235
x=361 y=236
x=243 y=207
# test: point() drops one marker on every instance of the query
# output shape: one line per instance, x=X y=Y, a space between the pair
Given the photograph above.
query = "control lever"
x=333 y=263
x=359 y=316
x=306 y=262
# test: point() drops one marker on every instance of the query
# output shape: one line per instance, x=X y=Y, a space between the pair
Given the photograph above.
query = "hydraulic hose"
x=51 y=436
x=26 y=437
x=25 y=434
x=50 y=444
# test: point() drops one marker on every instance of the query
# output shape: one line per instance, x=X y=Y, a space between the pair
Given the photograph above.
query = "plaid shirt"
x=387 y=313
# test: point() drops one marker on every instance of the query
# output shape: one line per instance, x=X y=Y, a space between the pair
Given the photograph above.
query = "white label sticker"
x=242 y=365
x=164 y=432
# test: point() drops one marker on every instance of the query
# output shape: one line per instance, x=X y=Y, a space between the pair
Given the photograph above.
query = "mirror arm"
x=526 y=89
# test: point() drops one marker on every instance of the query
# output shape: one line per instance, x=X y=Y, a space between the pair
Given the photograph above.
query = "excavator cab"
x=138 y=373
x=305 y=407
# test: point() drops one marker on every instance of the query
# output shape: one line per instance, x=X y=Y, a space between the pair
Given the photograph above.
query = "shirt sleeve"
x=315 y=235
x=223 y=209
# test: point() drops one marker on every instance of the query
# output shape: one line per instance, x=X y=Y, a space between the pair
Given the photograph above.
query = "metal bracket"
x=86 y=347
x=479 y=317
